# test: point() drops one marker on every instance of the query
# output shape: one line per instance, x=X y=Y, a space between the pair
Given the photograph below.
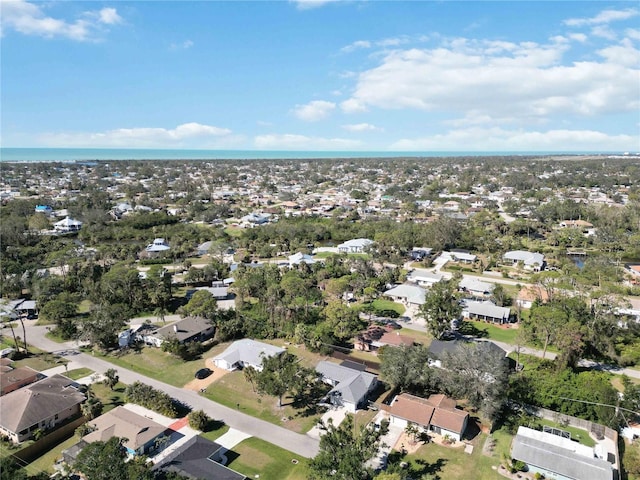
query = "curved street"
x=300 y=444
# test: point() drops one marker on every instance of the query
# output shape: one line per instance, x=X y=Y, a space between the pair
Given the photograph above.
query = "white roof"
x=487 y=309
x=301 y=258
x=249 y=352
x=356 y=243
x=68 y=222
x=528 y=258
x=463 y=256
x=422 y=275
x=413 y=293
x=474 y=285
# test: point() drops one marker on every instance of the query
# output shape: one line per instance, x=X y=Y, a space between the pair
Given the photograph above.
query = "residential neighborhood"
x=461 y=319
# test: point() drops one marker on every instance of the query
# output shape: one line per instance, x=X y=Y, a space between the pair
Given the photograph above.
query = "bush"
x=151 y=398
x=198 y=420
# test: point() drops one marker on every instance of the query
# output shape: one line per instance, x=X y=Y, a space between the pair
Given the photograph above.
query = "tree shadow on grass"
x=116 y=401
x=468 y=328
x=424 y=468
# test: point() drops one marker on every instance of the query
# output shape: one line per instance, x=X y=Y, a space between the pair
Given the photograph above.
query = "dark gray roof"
x=360 y=367
x=193 y=460
x=438 y=347
x=352 y=385
x=555 y=458
x=39 y=401
x=186 y=328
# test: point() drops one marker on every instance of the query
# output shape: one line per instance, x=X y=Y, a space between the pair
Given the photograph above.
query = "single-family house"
x=189 y=329
x=351 y=387
x=530 y=260
x=587 y=228
x=476 y=288
x=255 y=219
x=299 y=258
x=486 y=311
x=462 y=257
x=159 y=245
x=438 y=414
x=357 y=245
x=218 y=290
x=530 y=294
x=246 y=353
x=44 y=209
x=559 y=458
x=204 y=248
x=633 y=271
x=420 y=253
x=14 y=378
x=408 y=294
x=200 y=458
x=67 y=225
x=140 y=433
x=41 y=405
x=423 y=277
x=439 y=349
x=392 y=339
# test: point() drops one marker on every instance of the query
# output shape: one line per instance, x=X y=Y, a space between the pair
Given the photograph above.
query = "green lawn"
x=56 y=338
x=153 y=362
x=45 y=462
x=380 y=305
x=40 y=361
x=577 y=434
x=453 y=463
x=110 y=398
x=216 y=433
x=78 y=373
x=493 y=332
x=259 y=459
x=233 y=390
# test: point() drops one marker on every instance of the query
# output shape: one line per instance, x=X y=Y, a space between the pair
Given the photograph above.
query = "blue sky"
x=322 y=75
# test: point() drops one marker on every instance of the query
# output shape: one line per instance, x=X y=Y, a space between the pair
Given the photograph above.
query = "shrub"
x=198 y=420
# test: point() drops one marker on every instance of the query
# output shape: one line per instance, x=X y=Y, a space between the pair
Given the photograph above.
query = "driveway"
x=300 y=444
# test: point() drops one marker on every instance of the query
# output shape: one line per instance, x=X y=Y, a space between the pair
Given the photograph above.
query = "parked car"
x=203 y=373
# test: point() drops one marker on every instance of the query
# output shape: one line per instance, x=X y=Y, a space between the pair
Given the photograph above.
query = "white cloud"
x=309 y=4
x=362 y=127
x=357 y=45
x=603 y=31
x=29 y=19
x=623 y=54
x=109 y=16
x=314 y=111
x=497 y=139
x=501 y=80
x=604 y=17
x=290 y=141
x=632 y=33
x=578 y=37
x=181 y=46
x=187 y=134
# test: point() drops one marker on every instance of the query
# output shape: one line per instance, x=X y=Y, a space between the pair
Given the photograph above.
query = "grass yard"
x=492 y=332
x=78 y=373
x=418 y=335
x=259 y=459
x=155 y=363
x=110 y=398
x=453 y=463
x=232 y=390
x=578 y=434
x=84 y=306
x=45 y=462
x=380 y=305
x=213 y=435
x=40 y=361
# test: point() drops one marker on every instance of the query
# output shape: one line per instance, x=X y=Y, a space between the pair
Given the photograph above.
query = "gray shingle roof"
x=352 y=385
x=555 y=458
x=37 y=402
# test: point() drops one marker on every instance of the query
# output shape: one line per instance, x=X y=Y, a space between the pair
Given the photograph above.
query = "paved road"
x=302 y=445
x=508 y=347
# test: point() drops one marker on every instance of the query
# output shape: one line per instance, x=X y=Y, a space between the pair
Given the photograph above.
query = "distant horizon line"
x=82 y=154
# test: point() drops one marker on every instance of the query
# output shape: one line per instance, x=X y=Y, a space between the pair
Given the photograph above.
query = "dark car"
x=203 y=373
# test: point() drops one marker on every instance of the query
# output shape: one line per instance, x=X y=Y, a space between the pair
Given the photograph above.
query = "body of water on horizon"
x=93 y=154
